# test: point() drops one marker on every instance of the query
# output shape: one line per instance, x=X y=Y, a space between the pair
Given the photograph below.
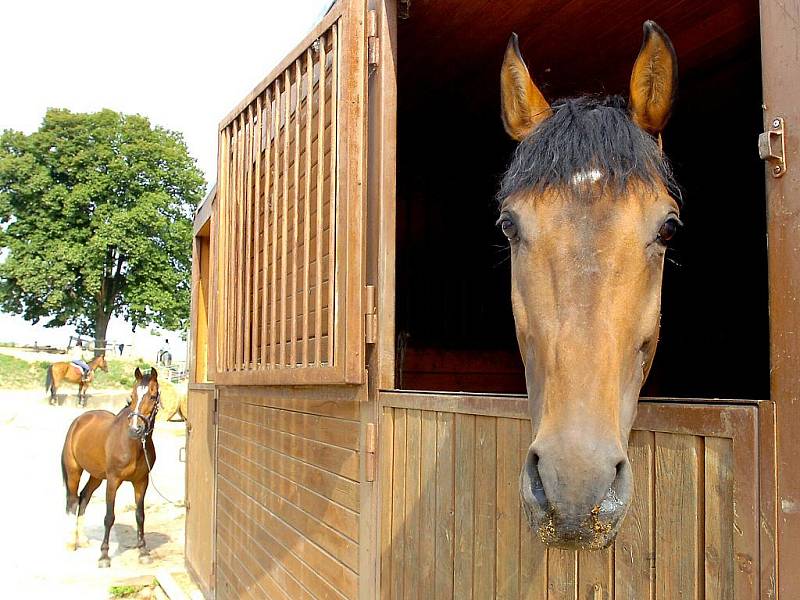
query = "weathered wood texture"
x=452 y=525
x=290 y=216
x=288 y=493
x=200 y=461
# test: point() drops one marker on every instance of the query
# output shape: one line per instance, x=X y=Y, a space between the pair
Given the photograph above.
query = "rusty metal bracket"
x=370 y=443
x=373 y=43
x=371 y=315
x=772 y=147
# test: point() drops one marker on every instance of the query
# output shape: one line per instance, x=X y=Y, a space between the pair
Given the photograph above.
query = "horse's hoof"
x=83 y=542
x=145 y=559
x=104 y=563
x=70 y=546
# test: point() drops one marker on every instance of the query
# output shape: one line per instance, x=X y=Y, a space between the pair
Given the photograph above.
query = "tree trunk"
x=100 y=328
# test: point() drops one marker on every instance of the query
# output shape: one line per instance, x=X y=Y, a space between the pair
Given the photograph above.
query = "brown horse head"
x=99 y=362
x=145 y=398
x=587 y=210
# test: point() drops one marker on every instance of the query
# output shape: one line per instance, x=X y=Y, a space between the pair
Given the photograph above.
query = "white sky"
x=182 y=64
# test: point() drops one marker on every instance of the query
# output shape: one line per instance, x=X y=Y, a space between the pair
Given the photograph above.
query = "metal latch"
x=772 y=147
x=369 y=452
x=373 y=45
x=371 y=315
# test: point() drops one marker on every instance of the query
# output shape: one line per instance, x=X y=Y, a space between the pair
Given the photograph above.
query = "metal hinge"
x=370 y=442
x=371 y=315
x=772 y=147
x=216 y=405
x=373 y=45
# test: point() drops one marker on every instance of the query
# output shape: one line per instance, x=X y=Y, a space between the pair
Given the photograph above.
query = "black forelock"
x=584 y=134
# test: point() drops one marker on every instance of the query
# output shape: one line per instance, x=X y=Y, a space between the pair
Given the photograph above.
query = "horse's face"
x=144 y=403
x=588 y=232
x=102 y=364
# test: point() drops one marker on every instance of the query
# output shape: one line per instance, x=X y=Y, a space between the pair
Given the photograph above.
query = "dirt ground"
x=35 y=561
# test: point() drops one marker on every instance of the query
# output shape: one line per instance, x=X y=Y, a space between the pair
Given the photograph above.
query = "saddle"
x=83 y=369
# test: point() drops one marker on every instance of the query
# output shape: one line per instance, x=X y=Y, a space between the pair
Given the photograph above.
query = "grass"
x=124 y=591
x=16 y=373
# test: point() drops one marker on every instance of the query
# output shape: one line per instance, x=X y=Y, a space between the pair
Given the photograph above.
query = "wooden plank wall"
x=452 y=526
x=288 y=493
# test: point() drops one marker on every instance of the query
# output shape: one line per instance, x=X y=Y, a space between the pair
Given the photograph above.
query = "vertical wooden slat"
x=222 y=242
x=276 y=118
x=232 y=277
x=240 y=238
x=532 y=552
x=677 y=516
x=562 y=574
x=296 y=221
x=719 y=550
x=320 y=202
x=398 y=503
x=287 y=92
x=267 y=134
x=247 y=230
x=258 y=357
x=485 y=507
x=334 y=183
x=634 y=551
x=596 y=574
x=427 y=503
x=445 y=492
x=228 y=256
x=386 y=479
x=464 y=506
x=307 y=203
x=412 y=566
x=508 y=469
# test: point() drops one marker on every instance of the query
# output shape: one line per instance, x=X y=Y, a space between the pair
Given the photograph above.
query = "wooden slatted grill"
x=277 y=220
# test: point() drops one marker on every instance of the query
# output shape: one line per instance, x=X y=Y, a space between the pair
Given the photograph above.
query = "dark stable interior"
x=455 y=329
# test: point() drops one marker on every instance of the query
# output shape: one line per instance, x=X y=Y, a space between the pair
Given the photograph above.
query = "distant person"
x=78 y=360
x=121 y=349
x=165 y=354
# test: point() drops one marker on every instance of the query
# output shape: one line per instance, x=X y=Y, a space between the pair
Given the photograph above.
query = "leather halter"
x=149 y=422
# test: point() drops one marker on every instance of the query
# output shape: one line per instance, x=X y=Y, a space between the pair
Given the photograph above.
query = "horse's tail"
x=48 y=380
x=64 y=466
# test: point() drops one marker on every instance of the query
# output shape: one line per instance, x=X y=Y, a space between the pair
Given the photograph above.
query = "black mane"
x=584 y=134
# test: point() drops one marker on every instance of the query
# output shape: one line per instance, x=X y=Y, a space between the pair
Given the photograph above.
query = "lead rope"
x=151 y=427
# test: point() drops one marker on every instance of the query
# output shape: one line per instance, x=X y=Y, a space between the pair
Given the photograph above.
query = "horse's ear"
x=138 y=374
x=523 y=105
x=153 y=374
x=654 y=81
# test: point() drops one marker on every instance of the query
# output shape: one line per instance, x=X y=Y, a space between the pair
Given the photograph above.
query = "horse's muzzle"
x=137 y=432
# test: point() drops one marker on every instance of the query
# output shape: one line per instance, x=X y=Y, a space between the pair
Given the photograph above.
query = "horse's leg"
x=139 y=489
x=86 y=495
x=111 y=495
x=53 y=388
x=72 y=479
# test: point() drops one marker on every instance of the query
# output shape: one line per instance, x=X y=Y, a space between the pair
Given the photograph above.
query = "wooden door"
x=452 y=525
x=780 y=67
x=201 y=448
x=291 y=216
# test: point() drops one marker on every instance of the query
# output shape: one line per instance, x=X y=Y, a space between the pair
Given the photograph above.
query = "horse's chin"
x=596 y=531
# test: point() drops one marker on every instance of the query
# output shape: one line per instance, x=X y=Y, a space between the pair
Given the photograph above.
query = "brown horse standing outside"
x=59 y=372
x=113 y=447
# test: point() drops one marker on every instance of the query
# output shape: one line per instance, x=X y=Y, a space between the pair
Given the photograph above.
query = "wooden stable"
x=357 y=417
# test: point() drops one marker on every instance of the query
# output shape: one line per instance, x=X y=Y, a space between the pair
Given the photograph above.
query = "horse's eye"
x=508 y=227
x=669 y=229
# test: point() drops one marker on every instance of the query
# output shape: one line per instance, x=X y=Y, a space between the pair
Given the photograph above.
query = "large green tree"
x=97 y=221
